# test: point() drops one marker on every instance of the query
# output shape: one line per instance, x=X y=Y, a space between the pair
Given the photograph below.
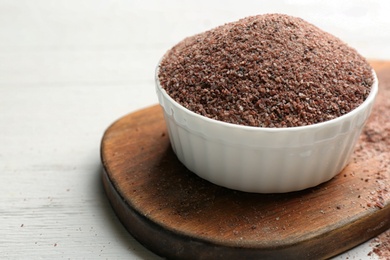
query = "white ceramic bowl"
x=263 y=160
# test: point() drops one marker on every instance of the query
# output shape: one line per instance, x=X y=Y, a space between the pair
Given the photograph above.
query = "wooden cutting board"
x=180 y=216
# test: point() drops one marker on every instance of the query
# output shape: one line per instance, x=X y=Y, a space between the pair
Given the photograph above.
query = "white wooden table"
x=69 y=68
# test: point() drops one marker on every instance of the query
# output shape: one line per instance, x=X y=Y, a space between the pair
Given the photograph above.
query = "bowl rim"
x=370 y=99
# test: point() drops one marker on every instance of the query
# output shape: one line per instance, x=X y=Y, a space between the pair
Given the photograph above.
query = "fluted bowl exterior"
x=263 y=160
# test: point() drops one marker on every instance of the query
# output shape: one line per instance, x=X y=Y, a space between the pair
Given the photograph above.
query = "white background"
x=68 y=69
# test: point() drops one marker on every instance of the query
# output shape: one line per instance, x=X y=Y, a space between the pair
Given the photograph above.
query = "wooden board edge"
x=173 y=245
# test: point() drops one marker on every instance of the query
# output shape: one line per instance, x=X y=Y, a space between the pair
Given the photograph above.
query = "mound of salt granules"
x=269 y=70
